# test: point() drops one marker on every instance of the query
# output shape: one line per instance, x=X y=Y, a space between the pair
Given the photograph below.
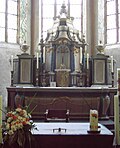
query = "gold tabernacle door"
x=63 y=77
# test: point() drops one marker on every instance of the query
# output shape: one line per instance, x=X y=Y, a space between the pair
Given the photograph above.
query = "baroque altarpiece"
x=63 y=69
x=62 y=59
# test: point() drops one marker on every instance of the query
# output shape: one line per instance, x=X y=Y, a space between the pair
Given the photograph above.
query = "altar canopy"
x=63 y=44
x=64 y=51
x=66 y=59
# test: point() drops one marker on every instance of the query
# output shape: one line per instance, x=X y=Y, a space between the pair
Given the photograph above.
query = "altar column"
x=34 y=25
x=92 y=25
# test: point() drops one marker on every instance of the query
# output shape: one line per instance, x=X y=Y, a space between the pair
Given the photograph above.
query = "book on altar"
x=93 y=120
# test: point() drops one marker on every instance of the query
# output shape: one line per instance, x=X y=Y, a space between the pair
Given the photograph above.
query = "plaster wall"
x=114 y=50
x=6 y=50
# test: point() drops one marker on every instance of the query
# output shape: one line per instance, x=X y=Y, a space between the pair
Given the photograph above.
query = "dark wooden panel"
x=78 y=100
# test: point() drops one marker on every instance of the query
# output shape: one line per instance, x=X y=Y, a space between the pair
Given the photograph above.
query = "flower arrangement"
x=18 y=125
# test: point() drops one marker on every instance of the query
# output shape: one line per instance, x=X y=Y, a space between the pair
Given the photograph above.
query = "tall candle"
x=87 y=60
x=37 y=61
x=44 y=54
x=0 y=119
x=111 y=63
x=11 y=62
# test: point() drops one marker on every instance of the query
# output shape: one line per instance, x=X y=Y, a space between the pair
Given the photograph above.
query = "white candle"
x=87 y=60
x=111 y=63
x=80 y=55
x=37 y=60
x=44 y=55
x=0 y=119
x=11 y=62
x=93 y=120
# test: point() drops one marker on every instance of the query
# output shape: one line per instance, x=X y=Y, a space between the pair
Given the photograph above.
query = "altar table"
x=71 y=135
x=79 y=100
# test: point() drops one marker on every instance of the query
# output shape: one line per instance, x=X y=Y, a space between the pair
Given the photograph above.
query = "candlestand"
x=87 y=78
x=81 y=76
x=80 y=80
x=43 y=79
x=51 y=76
x=37 y=77
x=12 y=77
x=74 y=78
x=112 y=73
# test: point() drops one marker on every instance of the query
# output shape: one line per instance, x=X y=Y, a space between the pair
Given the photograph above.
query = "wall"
x=114 y=50
x=6 y=50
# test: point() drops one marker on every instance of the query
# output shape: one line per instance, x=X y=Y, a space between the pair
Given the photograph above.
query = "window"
x=48 y=9
x=112 y=23
x=23 y=20
x=9 y=24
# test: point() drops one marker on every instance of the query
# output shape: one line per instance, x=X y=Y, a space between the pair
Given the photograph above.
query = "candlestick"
x=37 y=61
x=76 y=63
x=111 y=63
x=112 y=73
x=87 y=60
x=37 y=77
x=11 y=62
x=87 y=77
x=0 y=119
x=12 y=78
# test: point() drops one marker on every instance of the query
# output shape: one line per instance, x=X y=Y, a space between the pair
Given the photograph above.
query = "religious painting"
x=63 y=56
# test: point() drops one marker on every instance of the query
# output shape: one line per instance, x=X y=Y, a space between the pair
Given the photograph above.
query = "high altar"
x=63 y=75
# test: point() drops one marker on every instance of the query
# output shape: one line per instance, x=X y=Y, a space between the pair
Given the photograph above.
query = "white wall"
x=114 y=50
x=6 y=50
